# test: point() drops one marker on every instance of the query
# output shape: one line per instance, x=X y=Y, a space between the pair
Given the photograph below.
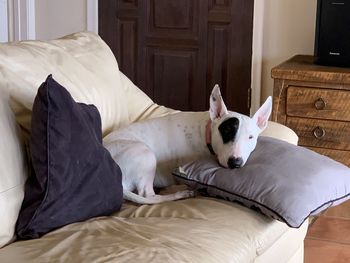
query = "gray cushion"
x=281 y=180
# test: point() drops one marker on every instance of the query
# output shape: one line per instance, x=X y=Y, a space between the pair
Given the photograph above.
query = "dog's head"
x=233 y=135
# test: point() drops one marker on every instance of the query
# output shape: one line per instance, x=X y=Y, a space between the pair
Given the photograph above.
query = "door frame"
x=21 y=20
x=92 y=15
x=257 y=55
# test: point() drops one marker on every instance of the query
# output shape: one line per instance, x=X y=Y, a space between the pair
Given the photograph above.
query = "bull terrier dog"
x=148 y=151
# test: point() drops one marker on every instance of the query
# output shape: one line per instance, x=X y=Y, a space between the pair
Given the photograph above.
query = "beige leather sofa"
x=193 y=230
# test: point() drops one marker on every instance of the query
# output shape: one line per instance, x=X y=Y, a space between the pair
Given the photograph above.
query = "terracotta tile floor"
x=328 y=237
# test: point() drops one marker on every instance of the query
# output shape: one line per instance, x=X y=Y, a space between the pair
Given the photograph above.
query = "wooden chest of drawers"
x=314 y=101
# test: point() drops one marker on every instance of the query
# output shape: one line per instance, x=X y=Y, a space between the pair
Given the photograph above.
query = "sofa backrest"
x=80 y=62
x=140 y=106
x=12 y=171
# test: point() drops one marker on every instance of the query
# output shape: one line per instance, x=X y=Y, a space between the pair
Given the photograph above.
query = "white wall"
x=3 y=21
x=56 y=18
x=257 y=47
x=289 y=29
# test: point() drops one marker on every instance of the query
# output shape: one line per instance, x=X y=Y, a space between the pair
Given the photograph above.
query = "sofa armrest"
x=140 y=106
x=282 y=132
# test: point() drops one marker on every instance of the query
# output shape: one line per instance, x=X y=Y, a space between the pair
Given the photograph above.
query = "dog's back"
x=174 y=139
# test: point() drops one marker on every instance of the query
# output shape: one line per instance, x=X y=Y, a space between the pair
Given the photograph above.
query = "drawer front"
x=321 y=133
x=340 y=156
x=318 y=103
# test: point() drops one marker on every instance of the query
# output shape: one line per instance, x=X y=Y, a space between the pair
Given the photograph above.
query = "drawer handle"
x=319 y=132
x=320 y=104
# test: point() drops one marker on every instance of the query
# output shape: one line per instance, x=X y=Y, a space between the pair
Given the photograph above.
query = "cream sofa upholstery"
x=194 y=230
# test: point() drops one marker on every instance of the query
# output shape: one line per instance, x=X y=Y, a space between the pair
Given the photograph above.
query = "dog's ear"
x=263 y=113
x=217 y=106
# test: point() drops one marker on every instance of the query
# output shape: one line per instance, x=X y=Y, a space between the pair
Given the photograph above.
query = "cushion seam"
x=48 y=161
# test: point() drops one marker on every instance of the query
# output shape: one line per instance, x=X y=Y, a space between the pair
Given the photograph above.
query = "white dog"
x=148 y=151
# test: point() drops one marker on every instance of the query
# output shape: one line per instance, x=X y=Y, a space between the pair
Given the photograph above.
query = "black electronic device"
x=332 y=41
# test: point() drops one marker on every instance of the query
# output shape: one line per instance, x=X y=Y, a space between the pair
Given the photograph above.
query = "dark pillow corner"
x=283 y=181
x=74 y=177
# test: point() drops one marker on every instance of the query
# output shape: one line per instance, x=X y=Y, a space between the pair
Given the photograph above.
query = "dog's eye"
x=251 y=137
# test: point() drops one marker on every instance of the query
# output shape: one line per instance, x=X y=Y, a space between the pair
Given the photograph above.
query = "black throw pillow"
x=74 y=178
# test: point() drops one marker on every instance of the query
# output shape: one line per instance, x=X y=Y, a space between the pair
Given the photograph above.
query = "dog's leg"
x=145 y=189
x=138 y=164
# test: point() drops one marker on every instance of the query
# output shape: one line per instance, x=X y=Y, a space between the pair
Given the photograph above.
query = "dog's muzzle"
x=234 y=162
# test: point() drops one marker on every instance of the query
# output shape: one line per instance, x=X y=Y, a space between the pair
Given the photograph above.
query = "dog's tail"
x=156 y=199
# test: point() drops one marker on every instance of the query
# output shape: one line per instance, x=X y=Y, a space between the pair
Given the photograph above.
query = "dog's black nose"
x=234 y=162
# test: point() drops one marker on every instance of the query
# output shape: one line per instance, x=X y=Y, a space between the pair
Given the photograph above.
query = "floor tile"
x=342 y=210
x=312 y=220
x=332 y=229
x=318 y=251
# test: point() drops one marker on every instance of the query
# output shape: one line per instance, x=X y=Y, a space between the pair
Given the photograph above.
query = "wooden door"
x=176 y=50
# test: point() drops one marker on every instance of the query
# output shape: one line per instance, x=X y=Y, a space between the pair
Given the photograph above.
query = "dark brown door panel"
x=177 y=50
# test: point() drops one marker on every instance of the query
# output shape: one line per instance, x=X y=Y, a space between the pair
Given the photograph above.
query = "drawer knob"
x=319 y=132
x=320 y=104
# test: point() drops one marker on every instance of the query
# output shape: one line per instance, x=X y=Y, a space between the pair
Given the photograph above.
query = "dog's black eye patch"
x=228 y=129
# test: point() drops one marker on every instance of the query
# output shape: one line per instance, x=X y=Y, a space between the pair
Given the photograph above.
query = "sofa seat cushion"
x=192 y=230
x=81 y=62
